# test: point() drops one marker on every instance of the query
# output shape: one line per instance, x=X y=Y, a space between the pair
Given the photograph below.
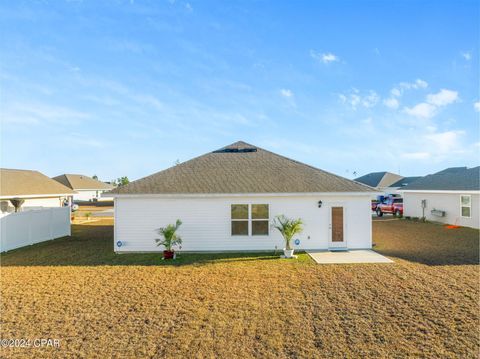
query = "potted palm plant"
x=288 y=227
x=170 y=239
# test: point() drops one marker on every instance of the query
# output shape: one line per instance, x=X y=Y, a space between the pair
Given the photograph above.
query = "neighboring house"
x=385 y=182
x=86 y=188
x=396 y=187
x=228 y=198
x=34 y=188
x=449 y=196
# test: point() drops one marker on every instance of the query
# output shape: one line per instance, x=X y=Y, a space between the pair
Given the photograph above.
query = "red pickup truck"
x=390 y=205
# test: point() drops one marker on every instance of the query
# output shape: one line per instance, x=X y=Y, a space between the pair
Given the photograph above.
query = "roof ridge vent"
x=236 y=150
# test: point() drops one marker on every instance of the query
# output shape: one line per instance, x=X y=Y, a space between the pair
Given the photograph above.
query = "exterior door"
x=337 y=227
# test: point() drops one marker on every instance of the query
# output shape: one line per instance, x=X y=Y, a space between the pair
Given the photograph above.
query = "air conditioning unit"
x=438 y=213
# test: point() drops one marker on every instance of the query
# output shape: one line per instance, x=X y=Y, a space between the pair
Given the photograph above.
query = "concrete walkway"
x=104 y=213
x=351 y=256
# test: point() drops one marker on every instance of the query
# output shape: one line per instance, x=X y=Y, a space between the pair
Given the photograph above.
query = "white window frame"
x=469 y=205
x=259 y=219
x=249 y=220
x=240 y=220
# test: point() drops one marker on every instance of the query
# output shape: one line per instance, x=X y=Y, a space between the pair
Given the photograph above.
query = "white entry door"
x=337 y=227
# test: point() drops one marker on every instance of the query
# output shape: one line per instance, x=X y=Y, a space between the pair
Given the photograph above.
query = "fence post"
x=50 y=223
x=29 y=215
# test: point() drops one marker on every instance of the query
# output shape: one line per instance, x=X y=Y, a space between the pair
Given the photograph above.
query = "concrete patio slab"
x=351 y=256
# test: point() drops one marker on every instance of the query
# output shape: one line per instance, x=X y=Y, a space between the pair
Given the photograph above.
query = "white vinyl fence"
x=30 y=227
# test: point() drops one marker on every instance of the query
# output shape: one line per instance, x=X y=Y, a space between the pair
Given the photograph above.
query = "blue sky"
x=120 y=88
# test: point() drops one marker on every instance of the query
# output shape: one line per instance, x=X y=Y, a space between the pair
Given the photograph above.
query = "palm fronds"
x=288 y=227
x=170 y=237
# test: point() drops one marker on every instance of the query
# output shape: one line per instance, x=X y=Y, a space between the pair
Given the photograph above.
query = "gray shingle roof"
x=28 y=183
x=241 y=168
x=405 y=181
x=78 y=182
x=379 y=179
x=450 y=179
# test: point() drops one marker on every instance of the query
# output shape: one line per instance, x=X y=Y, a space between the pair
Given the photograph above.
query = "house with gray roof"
x=381 y=181
x=228 y=198
x=450 y=196
x=85 y=187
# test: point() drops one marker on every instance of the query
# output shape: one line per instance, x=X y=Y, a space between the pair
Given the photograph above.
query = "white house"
x=228 y=198
x=86 y=188
x=449 y=196
x=33 y=188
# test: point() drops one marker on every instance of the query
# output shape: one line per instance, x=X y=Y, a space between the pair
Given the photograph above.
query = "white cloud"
x=391 y=103
x=443 y=98
x=445 y=142
x=370 y=100
x=429 y=108
x=476 y=106
x=396 y=92
x=326 y=58
x=422 y=110
x=435 y=146
x=402 y=86
x=286 y=93
x=420 y=84
x=467 y=55
x=356 y=99
x=329 y=57
x=188 y=7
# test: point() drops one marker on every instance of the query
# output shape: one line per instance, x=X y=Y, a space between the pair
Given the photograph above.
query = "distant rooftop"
x=82 y=182
x=449 y=179
x=14 y=182
x=379 y=179
x=405 y=181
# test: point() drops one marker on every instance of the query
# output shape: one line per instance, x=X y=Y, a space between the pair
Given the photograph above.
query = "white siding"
x=33 y=203
x=89 y=195
x=25 y=228
x=448 y=202
x=207 y=225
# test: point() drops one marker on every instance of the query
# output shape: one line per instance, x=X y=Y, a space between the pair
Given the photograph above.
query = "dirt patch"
x=101 y=305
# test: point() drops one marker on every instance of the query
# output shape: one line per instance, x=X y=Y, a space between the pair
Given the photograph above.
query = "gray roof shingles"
x=405 y=181
x=450 y=179
x=241 y=168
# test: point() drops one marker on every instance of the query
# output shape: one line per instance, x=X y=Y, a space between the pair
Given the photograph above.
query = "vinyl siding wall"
x=32 y=203
x=207 y=223
x=448 y=202
x=89 y=195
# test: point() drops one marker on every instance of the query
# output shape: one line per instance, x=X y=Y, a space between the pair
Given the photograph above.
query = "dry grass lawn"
x=103 y=305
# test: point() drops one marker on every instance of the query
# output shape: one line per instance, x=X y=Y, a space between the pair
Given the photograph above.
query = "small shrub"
x=407 y=218
x=88 y=215
x=415 y=219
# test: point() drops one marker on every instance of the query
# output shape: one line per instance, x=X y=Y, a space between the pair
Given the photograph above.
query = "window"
x=466 y=206
x=248 y=219
x=259 y=219
x=239 y=219
x=398 y=200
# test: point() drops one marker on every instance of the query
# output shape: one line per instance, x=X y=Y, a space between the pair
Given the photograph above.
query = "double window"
x=466 y=206
x=250 y=219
